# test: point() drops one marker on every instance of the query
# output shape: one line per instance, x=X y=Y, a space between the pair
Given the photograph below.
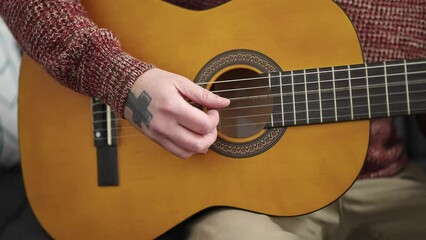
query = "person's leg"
x=322 y=224
x=226 y=224
x=233 y=224
x=386 y=208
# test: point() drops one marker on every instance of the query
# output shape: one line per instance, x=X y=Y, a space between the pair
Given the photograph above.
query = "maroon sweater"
x=88 y=59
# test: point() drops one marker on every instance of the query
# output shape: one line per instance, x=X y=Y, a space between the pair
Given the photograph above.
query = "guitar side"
x=157 y=190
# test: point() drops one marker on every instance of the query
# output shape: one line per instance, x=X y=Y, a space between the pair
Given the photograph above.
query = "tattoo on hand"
x=139 y=106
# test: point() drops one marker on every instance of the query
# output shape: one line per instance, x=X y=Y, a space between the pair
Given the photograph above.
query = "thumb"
x=202 y=96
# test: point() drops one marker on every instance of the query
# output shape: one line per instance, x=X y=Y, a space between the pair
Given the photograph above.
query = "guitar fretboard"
x=351 y=92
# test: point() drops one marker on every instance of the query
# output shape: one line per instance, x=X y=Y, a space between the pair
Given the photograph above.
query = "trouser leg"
x=234 y=224
x=386 y=208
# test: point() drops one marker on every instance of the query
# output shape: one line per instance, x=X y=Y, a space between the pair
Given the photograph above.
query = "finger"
x=192 y=142
x=201 y=95
x=171 y=146
x=197 y=120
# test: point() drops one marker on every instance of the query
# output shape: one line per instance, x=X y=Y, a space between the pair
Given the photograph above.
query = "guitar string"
x=326 y=109
x=342 y=117
x=301 y=111
x=326 y=90
x=358 y=87
x=292 y=112
x=325 y=99
x=365 y=67
x=323 y=91
x=347 y=117
x=323 y=82
x=314 y=82
x=312 y=101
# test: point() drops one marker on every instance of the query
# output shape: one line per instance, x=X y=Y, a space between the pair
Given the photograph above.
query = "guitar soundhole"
x=251 y=103
x=235 y=74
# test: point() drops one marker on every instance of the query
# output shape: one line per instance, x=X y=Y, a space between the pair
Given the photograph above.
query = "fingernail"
x=225 y=100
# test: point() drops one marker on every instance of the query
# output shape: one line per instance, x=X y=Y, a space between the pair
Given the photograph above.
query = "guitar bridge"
x=105 y=140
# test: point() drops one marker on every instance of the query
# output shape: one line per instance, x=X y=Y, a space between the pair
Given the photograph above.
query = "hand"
x=156 y=105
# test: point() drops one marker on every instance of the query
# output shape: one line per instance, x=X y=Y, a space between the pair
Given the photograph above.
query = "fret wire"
x=368 y=91
x=270 y=88
x=306 y=96
x=294 y=104
x=319 y=95
x=350 y=91
x=334 y=92
x=269 y=80
x=282 y=103
x=386 y=88
x=406 y=86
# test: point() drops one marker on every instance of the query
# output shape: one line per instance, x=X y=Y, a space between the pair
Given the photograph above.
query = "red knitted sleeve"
x=59 y=35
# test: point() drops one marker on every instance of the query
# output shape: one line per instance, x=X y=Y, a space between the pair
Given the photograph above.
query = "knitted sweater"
x=88 y=59
x=59 y=35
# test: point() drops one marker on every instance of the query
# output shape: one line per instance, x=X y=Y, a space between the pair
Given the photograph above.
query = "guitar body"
x=307 y=168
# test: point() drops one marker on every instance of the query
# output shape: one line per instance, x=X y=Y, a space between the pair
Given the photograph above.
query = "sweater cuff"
x=117 y=88
x=108 y=72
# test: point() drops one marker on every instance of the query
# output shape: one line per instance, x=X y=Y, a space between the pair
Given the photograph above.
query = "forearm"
x=60 y=36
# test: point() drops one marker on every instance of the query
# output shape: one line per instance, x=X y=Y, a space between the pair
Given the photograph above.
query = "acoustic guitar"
x=288 y=66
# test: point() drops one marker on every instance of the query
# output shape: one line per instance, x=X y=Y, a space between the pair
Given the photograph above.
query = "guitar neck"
x=345 y=93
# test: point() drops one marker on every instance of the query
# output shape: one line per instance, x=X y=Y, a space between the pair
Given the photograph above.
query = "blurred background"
x=17 y=220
